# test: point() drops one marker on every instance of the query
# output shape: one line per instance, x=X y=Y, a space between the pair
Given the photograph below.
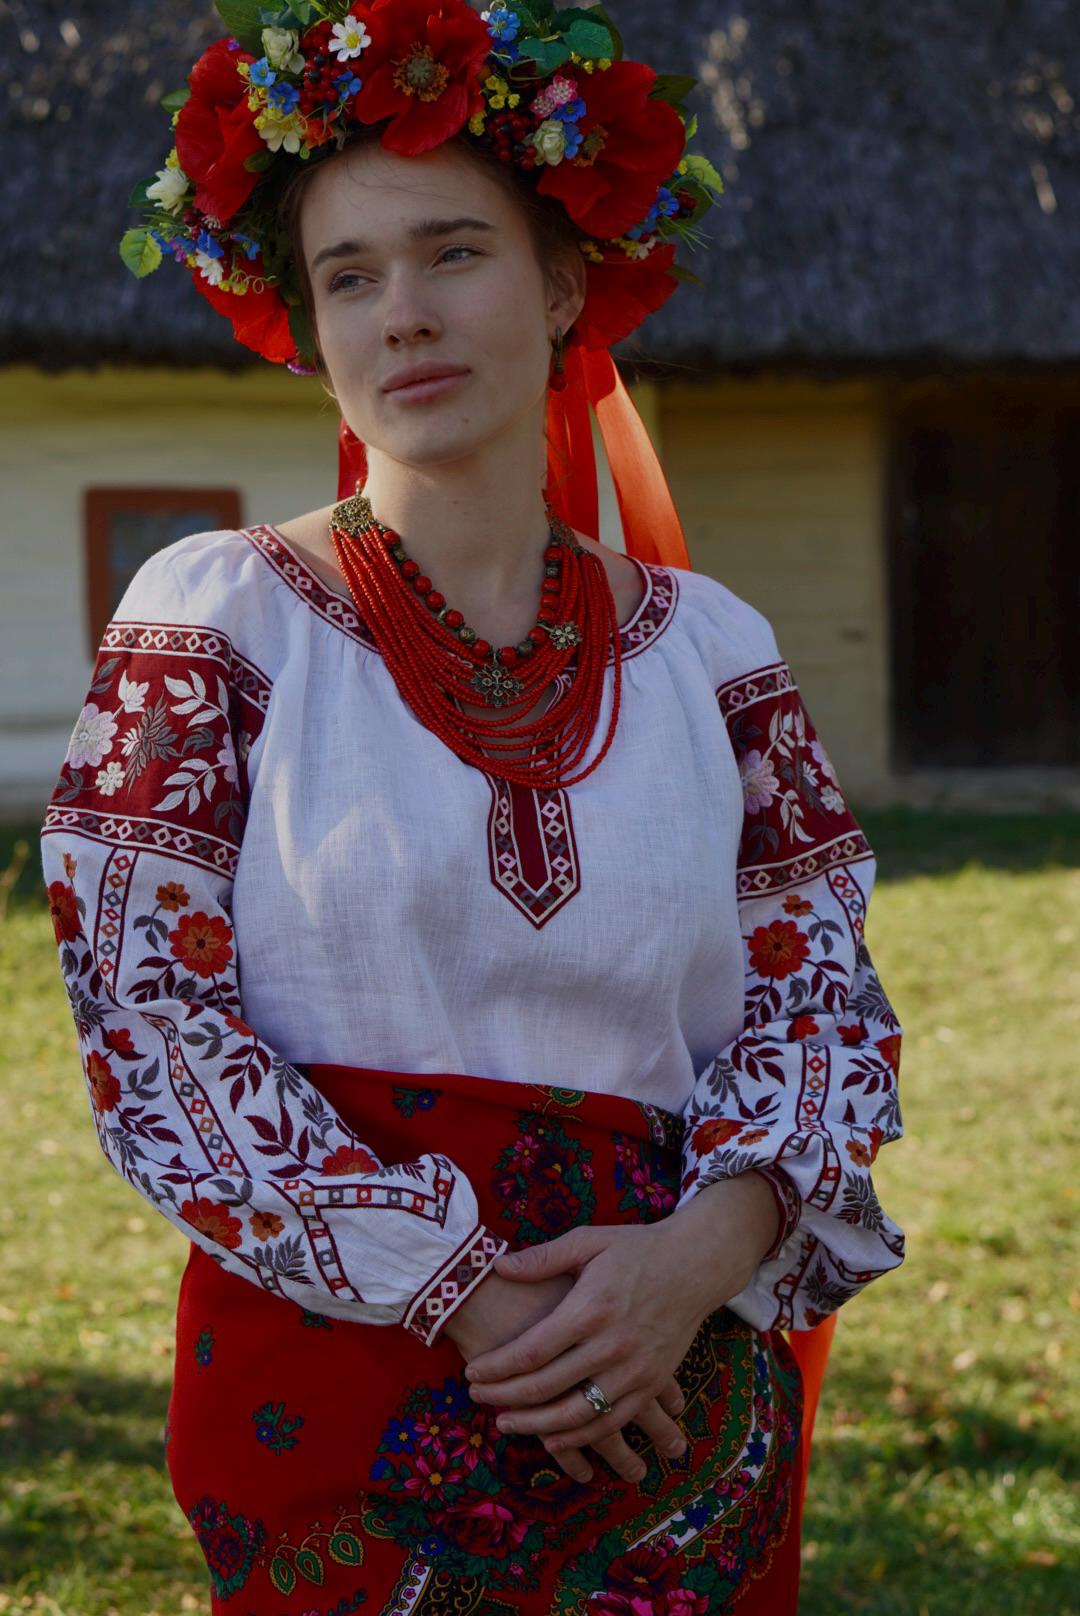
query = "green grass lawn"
x=944 y=1479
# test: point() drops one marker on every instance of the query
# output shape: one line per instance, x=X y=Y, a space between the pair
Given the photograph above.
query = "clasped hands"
x=626 y=1319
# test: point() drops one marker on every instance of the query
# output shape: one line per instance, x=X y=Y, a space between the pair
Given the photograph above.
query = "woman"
x=513 y=1085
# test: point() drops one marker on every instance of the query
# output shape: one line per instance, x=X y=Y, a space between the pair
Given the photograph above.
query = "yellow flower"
x=604 y=63
x=681 y=169
x=513 y=100
x=476 y=124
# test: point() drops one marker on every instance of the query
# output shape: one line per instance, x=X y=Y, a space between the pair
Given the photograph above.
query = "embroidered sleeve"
x=807 y=1092
x=231 y=1144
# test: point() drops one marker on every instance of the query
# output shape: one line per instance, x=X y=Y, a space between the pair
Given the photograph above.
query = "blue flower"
x=453 y=1396
x=757 y=1448
x=208 y=244
x=250 y=247
x=502 y=24
x=400 y=1434
x=425 y=1099
x=697 y=1514
x=381 y=1468
x=348 y=84
x=431 y=1546
x=261 y=73
x=283 y=97
x=570 y=111
x=666 y=202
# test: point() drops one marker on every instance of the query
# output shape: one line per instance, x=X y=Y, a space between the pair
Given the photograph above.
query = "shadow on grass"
x=60 y=1409
x=911 y=841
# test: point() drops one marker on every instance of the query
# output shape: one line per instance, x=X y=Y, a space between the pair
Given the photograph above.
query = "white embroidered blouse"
x=256 y=856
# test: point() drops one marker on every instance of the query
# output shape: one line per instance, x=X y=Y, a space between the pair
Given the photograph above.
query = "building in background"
x=869 y=413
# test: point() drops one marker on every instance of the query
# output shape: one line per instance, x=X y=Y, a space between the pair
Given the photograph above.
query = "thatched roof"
x=903 y=181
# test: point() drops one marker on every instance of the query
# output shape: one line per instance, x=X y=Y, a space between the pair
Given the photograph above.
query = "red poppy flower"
x=630 y=145
x=349 y=1159
x=713 y=1133
x=216 y=131
x=778 y=949
x=103 y=1082
x=203 y=942
x=214 y=1219
x=621 y=292
x=422 y=70
x=63 y=911
x=890 y=1048
x=260 y=320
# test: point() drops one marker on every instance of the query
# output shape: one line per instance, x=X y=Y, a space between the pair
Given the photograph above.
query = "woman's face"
x=439 y=269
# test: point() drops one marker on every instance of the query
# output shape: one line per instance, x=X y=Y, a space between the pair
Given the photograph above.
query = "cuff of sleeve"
x=472 y=1261
x=788 y=1206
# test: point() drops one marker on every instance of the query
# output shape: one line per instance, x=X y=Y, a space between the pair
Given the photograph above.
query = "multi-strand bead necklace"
x=436 y=659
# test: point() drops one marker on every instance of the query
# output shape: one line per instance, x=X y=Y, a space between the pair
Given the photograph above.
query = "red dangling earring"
x=557 y=376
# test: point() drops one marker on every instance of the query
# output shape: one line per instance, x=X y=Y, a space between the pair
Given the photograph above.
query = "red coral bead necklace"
x=437 y=660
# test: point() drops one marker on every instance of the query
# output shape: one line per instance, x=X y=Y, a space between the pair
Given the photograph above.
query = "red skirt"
x=326 y=1466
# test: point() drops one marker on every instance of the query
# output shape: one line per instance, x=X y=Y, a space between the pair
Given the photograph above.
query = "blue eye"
x=338 y=282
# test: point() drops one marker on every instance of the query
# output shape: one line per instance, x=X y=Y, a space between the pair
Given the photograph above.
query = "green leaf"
x=140 y=251
x=242 y=19
x=257 y=161
x=175 y=99
x=598 y=14
x=691 y=126
x=547 y=53
x=137 y=197
x=590 y=39
x=701 y=169
x=673 y=87
x=681 y=273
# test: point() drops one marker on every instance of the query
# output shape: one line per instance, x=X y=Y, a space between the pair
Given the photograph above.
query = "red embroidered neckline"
x=650 y=617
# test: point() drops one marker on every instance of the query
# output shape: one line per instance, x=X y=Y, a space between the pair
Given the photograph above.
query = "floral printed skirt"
x=327 y=1466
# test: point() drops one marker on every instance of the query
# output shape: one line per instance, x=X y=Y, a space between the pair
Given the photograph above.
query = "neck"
x=475 y=525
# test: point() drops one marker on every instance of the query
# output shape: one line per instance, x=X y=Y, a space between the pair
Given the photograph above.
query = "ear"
x=567 y=287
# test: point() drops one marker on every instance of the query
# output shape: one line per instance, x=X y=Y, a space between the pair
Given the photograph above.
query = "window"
x=124 y=526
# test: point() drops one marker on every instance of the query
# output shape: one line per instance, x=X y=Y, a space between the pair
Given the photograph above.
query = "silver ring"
x=596 y=1397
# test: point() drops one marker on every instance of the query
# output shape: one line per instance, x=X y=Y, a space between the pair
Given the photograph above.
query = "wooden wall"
x=779 y=485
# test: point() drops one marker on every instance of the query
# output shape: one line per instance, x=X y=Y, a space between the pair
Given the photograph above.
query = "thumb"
x=567 y=1251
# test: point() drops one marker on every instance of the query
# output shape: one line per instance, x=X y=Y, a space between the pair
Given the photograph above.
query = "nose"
x=409 y=315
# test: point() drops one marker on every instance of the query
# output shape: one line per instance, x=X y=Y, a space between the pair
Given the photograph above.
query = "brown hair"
x=551 y=228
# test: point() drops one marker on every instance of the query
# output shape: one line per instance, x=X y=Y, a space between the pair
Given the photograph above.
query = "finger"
x=621 y=1457
x=597 y=1430
x=567 y=1413
x=575 y=1464
x=672 y=1399
x=666 y=1436
x=564 y=1327
x=595 y=1356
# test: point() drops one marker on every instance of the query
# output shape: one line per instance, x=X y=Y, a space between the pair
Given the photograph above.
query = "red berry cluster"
x=319 y=85
x=506 y=131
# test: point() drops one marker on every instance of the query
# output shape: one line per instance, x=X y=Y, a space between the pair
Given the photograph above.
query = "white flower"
x=169 y=189
x=348 y=39
x=110 y=778
x=211 y=268
x=226 y=760
x=279 y=47
x=550 y=140
x=91 y=738
x=278 y=131
x=132 y=695
x=824 y=761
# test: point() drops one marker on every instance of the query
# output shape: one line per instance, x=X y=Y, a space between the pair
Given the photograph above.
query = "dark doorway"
x=984 y=552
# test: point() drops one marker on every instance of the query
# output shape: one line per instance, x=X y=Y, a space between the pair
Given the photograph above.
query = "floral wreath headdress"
x=549 y=91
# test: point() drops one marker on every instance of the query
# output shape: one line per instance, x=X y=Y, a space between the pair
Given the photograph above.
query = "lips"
x=422 y=373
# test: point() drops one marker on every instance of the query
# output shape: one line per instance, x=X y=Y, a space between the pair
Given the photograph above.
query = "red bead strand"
x=434 y=669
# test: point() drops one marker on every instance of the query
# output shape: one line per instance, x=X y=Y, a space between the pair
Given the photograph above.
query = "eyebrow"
x=423 y=230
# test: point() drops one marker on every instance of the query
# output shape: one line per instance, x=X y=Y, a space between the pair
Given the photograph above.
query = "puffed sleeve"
x=806 y=1094
x=235 y=1147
